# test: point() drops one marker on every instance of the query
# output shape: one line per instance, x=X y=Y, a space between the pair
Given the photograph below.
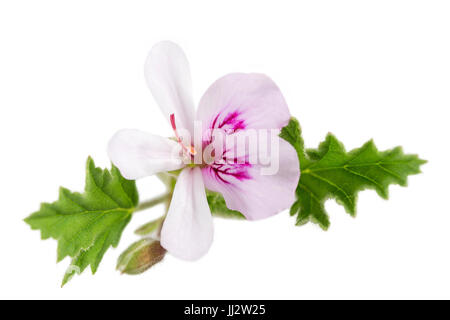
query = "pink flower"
x=234 y=104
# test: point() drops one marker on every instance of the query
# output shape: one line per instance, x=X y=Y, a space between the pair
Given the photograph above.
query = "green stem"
x=153 y=202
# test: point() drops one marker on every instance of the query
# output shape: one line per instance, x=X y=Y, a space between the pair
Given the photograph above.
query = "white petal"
x=169 y=79
x=188 y=230
x=139 y=154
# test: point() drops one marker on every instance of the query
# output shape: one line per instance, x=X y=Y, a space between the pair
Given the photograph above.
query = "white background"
x=71 y=74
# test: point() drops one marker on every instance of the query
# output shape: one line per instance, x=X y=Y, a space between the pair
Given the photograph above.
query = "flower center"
x=188 y=149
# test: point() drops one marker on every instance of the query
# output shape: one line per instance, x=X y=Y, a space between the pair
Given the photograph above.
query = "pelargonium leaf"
x=292 y=133
x=87 y=224
x=332 y=172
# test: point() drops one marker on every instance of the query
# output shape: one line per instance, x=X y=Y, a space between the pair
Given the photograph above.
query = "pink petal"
x=243 y=101
x=139 y=154
x=235 y=104
x=169 y=79
x=188 y=230
x=256 y=196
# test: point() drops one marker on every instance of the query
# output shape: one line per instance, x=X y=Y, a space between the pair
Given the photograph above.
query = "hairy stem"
x=164 y=198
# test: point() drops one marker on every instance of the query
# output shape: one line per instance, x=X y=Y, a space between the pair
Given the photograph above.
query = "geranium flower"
x=233 y=105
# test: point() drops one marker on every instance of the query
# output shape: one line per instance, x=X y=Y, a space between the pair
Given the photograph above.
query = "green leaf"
x=86 y=225
x=219 y=208
x=292 y=133
x=332 y=172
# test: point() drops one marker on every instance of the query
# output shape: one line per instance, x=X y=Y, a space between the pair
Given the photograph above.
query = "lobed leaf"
x=87 y=224
x=332 y=172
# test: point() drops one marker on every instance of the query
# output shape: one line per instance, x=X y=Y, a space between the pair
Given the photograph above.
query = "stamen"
x=191 y=150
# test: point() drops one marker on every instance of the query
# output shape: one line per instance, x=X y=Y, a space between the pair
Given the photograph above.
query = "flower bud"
x=140 y=256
